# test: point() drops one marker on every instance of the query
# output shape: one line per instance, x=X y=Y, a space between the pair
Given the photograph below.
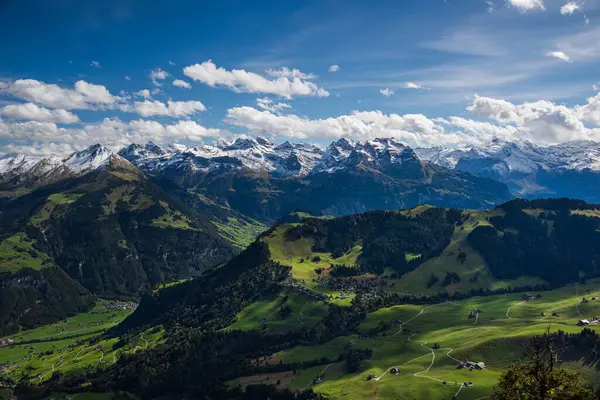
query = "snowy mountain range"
x=570 y=169
x=520 y=157
x=528 y=169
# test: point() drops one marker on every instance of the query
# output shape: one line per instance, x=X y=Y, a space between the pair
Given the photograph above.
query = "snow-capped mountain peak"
x=89 y=159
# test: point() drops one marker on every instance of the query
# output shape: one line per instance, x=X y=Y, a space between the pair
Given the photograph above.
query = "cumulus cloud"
x=415 y=129
x=334 y=68
x=95 y=64
x=412 y=85
x=32 y=112
x=84 y=95
x=145 y=93
x=591 y=111
x=387 y=92
x=541 y=120
x=267 y=104
x=176 y=109
x=570 y=8
x=157 y=75
x=286 y=85
x=560 y=55
x=43 y=138
x=527 y=5
x=289 y=73
x=181 y=84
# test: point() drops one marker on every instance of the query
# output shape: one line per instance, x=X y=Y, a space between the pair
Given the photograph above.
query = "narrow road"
x=144 y=339
x=115 y=356
x=300 y=313
x=421 y=312
x=578 y=299
x=55 y=367
x=476 y=318
x=101 y=360
x=507 y=311
x=418 y=374
x=322 y=372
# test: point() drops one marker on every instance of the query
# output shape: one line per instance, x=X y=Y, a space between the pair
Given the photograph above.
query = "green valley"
x=424 y=303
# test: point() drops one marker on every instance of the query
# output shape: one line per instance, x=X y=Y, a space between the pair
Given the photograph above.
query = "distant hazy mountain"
x=567 y=170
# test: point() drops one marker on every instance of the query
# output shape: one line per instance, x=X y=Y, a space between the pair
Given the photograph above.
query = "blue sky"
x=429 y=72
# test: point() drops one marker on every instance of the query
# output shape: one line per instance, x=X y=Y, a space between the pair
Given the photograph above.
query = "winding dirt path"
x=421 y=312
x=508 y=310
x=322 y=372
x=578 y=299
x=300 y=314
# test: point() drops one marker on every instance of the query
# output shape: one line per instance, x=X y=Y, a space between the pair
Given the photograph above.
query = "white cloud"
x=32 y=112
x=190 y=130
x=175 y=109
x=490 y=4
x=560 y=55
x=84 y=96
x=181 y=84
x=591 y=111
x=43 y=139
x=267 y=104
x=570 y=8
x=96 y=94
x=412 y=128
x=387 y=92
x=542 y=120
x=289 y=73
x=157 y=75
x=171 y=63
x=145 y=93
x=412 y=85
x=334 y=68
x=527 y=5
x=127 y=78
x=250 y=82
x=95 y=64
x=586 y=20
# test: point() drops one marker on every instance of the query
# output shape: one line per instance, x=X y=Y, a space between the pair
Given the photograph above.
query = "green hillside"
x=348 y=299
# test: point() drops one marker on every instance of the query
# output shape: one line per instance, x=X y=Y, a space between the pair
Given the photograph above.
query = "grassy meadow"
x=495 y=337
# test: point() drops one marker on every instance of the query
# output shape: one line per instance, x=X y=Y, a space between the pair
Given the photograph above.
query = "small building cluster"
x=584 y=300
x=320 y=378
x=121 y=305
x=530 y=297
x=6 y=342
x=586 y=322
x=471 y=365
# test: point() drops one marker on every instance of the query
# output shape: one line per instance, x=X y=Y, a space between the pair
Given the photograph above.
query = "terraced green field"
x=241 y=233
x=495 y=337
x=17 y=252
x=305 y=263
x=73 y=345
x=267 y=314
